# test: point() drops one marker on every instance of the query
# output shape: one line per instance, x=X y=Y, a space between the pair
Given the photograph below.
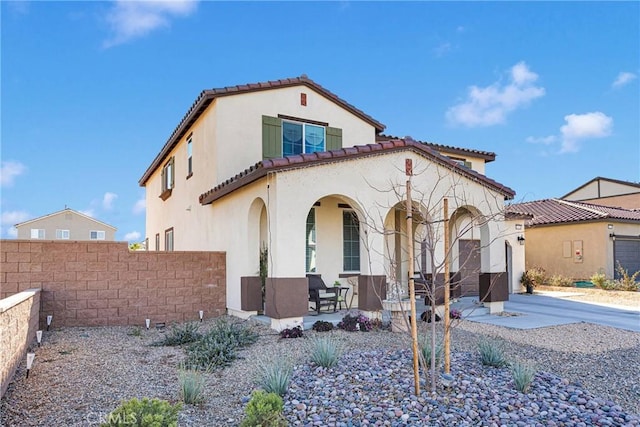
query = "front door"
x=469 y=269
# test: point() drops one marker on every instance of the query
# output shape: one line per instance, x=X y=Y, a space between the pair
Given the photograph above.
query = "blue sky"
x=92 y=90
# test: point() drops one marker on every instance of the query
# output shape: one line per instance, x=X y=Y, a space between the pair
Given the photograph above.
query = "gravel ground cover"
x=622 y=298
x=81 y=374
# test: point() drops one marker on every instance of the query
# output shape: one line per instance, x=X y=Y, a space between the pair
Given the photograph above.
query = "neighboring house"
x=66 y=224
x=577 y=239
x=607 y=192
x=289 y=166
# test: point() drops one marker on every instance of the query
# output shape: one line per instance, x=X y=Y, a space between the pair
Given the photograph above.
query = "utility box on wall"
x=577 y=251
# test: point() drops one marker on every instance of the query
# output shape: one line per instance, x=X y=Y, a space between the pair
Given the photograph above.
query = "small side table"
x=343 y=291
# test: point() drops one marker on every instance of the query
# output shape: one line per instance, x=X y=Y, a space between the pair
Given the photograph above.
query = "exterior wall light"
x=521 y=240
x=613 y=236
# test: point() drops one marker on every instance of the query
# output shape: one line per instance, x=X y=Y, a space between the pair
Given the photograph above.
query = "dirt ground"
x=622 y=298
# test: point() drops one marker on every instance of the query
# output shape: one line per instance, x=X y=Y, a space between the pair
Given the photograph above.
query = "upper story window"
x=157 y=241
x=461 y=162
x=37 y=233
x=167 y=179
x=189 y=158
x=96 y=235
x=287 y=136
x=298 y=138
x=62 y=234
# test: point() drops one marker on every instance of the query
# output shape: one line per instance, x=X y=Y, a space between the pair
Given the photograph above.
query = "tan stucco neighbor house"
x=607 y=192
x=66 y=224
x=577 y=239
x=288 y=166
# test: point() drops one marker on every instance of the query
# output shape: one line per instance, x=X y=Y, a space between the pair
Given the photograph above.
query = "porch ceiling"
x=260 y=169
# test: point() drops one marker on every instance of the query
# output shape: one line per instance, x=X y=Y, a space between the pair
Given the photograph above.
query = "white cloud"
x=132 y=19
x=134 y=235
x=108 y=199
x=443 y=49
x=584 y=126
x=546 y=140
x=487 y=106
x=13 y=217
x=140 y=206
x=623 y=78
x=9 y=170
x=12 y=232
x=88 y=212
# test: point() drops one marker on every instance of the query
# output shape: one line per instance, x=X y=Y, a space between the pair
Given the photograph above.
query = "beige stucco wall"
x=79 y=226
x=601 y=188
x=544 y=247
x=227 y=139
x=628 y=201
x=289 y=196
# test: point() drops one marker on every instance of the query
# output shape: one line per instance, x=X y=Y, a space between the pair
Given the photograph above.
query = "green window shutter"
x=334 y=138
x=467 y=164
x=271 y=137
x=173 y=171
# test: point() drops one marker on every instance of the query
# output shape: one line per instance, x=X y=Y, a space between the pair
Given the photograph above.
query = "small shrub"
x=560 y=280
x=627 y=282
x=610 y=285
x=322 y=326
x=217 y=348
x=181 y=334
x=325 y=351
x=264 y=410
x=599 y=280
x=535 y=276
x=492 y=353
x=275 y=377
x=358 y=322
x=192 y=386
x=426 y=350
x=378 y=325
x=455 y=313
x=295 y=332
x=523 y=375
x=136 y=331
x=144 y=413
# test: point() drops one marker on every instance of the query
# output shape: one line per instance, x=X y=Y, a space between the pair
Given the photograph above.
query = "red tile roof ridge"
x=581 y=206
x=206 y=97
x=301 y=160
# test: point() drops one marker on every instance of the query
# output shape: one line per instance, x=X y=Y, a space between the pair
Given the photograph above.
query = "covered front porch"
x=347 y=219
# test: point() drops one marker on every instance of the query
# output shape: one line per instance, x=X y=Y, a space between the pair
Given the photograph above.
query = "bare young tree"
x=439 y=236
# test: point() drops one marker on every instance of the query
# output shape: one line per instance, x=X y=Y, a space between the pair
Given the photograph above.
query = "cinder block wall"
x=103 y=283
x=18 y=326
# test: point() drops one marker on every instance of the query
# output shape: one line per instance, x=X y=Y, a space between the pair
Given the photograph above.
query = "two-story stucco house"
x=66 y=224
x=289 y=166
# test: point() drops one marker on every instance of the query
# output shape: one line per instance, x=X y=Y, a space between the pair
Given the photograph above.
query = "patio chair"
x=320 y=294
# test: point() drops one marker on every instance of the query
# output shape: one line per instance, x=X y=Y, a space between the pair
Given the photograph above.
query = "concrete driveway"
x=524 y=311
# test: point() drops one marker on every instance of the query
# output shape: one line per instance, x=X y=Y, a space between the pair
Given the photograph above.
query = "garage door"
x=627 y=252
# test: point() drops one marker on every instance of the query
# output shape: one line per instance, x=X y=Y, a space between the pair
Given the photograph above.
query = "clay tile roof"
x=207 y=96
x=555 y=211
x=261 y=169
x=487 y=155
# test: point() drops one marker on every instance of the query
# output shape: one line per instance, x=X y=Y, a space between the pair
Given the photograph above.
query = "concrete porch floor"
x=467 y=305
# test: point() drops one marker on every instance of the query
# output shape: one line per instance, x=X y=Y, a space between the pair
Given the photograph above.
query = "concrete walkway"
x=524 y=311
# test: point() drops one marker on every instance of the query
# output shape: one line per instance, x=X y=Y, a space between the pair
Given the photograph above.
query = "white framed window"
x=168 y=239
x=310 y=242
x=298 y=138
x=350 y=241
x=96 y=235
x=37 y=233
x=168 y=172
x=189 y=158
x=62 y=234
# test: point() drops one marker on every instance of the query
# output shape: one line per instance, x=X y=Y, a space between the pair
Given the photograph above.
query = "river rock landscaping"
x=586 y=375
